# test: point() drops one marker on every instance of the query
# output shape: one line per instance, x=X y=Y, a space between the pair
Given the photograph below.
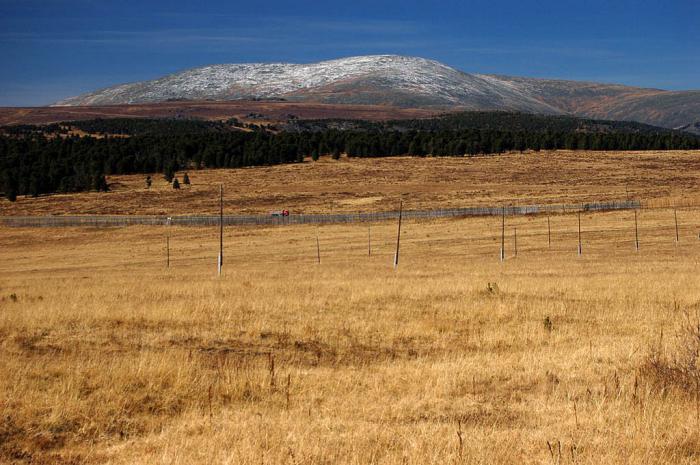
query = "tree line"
x=35 y=163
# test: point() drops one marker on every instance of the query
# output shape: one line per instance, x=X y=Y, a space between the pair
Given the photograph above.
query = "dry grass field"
x=211 y=110
x=351 y=185
x=106 y=356
x=109 y=357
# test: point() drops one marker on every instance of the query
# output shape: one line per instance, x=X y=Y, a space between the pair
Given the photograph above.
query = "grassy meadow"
x=107 y=356
x=350 y=185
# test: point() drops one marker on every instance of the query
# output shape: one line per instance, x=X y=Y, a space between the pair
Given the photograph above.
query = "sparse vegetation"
x=44 y=163
x=352 y=184
x=125 y=361
x=547 y=323
x=107 y=356
x=676 y=365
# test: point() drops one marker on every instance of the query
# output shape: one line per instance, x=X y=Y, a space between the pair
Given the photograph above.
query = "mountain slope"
x=382 y=79
x=408 y=82
x=670 y=109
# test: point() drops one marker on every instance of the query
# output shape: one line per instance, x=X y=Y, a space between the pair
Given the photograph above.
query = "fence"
x=231 y=220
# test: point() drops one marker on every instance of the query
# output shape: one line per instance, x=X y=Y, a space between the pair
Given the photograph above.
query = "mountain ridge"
x=408 y=82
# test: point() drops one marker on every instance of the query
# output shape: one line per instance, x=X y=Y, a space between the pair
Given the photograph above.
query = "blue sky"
x=51 y=49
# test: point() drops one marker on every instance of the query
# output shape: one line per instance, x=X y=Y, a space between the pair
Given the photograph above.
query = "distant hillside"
x=408 y=82
x=488 y=120
x=692 y=128
x=458 y=121
x=276 y=111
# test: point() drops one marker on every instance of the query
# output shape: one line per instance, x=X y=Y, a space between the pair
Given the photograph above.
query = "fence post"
x=220 y=262
x=549 y=233
x=369 y=239
x=636 y=232
x=398 y=236
x=318 y=248
x=580 y=248
x=503 y=233
x=675 y=218
x=167 y=242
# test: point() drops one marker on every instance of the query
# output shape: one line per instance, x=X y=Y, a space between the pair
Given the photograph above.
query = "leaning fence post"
x=398 y=236
x=636 y=232
x=318 y=248
x=675 y=218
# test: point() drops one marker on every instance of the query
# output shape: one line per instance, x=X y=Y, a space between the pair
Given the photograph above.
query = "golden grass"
x=108 y=357
x=351 y=185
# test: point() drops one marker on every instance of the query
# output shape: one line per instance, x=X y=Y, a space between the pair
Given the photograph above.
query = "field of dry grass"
x=210 y=110
x=351 y=185
x=106 y=356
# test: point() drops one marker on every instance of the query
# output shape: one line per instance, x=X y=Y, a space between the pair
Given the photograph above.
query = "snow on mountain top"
x=395 y=79
x=268 y=80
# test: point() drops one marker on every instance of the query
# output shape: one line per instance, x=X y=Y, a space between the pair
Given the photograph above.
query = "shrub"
x=547 y=323
x=678 y=367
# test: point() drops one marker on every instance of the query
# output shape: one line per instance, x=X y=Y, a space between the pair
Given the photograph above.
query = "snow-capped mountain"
x=399 y=80
x=405 y=82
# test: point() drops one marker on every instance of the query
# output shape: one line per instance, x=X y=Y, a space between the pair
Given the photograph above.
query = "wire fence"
x=337 y=218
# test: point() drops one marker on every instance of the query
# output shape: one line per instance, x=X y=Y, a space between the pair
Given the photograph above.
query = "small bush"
x=679 y=366
x=547 y=323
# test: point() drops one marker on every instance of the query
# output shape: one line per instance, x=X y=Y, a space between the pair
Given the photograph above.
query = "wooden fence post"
x=220 y=263
x=503 y=233
x=675 y=218
x=167 y=244
x=580 y=248
x=636 y=232
x=318 y=249
x=398 y=236
x=369 y=239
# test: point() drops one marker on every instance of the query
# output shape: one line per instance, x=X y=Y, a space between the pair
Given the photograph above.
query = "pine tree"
x=314 y=155
x=186 y=179
x=169 y=173
x=10 y=186
x=176 y=183
x=99 y=183
x=336 y=154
